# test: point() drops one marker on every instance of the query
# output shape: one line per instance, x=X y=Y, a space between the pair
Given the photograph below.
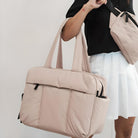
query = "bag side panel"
x=99 y=115
x=100 y=107
x=30 y=106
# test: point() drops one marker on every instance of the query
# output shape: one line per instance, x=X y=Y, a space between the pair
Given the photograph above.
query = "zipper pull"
x=22 y=96
x=36 y=86
x=18 y=116
x=97 y=93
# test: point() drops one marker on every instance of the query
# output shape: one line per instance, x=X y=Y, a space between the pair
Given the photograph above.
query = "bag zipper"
x=19 y=112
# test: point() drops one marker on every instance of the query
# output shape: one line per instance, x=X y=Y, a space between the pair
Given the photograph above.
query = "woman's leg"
x=91 y=136
x=123 y=127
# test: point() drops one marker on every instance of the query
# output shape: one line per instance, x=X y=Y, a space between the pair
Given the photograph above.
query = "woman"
x=106 y=59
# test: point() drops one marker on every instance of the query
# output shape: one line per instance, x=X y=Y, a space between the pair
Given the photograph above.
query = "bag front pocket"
x=99 y=114
x=79 y=114
x=29 y=112
x=53 y=109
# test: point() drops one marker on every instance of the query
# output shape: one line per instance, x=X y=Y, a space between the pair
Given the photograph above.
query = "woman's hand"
x=73 y=25
x=96 y=3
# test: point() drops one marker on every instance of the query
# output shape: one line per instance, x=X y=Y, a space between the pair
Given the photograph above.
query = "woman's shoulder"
x=75 y=7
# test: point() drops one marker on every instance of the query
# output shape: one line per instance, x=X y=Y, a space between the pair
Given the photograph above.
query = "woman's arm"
x=73 y=25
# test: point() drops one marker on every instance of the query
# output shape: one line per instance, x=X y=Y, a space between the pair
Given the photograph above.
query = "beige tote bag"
x=124 y=30
x=69 y=102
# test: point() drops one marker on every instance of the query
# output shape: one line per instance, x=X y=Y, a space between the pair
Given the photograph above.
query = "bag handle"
x=50 y=55
x=80 y=59
x=84 y=60
x=117 y=12
x=111 y=8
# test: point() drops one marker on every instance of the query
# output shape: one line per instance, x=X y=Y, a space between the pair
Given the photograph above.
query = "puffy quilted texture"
x=64 y=102
x=63 y=78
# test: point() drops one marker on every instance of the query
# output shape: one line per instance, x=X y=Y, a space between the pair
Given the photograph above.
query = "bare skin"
x=123 y=127
x=73 y=25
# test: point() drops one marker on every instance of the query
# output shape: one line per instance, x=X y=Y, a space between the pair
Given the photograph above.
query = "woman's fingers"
x=97 y=3
x=101 y=1
x=105 y=1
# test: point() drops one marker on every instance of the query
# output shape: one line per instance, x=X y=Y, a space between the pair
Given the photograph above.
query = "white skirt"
x=122 y=83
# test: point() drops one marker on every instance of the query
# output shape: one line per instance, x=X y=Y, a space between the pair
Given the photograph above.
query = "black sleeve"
x=75 y=7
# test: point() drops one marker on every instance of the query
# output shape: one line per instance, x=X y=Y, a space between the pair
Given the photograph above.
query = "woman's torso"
x=97 y=32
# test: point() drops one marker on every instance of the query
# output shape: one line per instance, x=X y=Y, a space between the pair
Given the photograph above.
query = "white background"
x=27 y=30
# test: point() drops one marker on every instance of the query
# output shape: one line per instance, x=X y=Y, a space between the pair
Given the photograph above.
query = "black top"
x=96 y=28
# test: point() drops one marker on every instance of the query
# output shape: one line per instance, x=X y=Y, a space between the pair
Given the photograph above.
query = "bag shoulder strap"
x=111 y=8
x=116 y=12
